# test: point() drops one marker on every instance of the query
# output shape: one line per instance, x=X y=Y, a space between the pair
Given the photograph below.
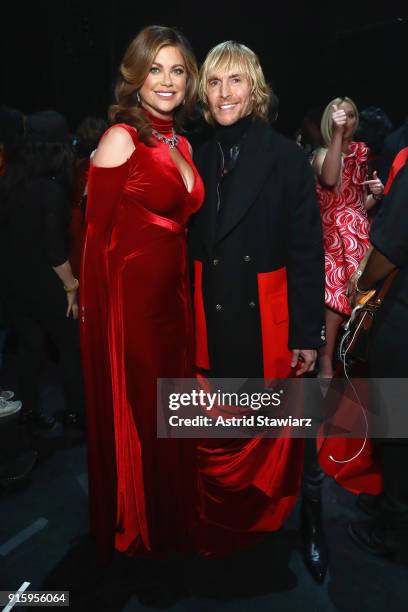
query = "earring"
x=138 y=98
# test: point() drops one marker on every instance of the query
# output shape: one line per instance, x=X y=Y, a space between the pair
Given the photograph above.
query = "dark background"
x=64 y=54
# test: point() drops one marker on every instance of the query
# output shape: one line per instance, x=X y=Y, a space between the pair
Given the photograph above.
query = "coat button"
x=216 y=262
x=218 y=307
x=252 y=304
x=247 y=258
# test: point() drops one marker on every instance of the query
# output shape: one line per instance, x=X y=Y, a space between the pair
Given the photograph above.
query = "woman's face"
x=351 y=123
x=165 y=87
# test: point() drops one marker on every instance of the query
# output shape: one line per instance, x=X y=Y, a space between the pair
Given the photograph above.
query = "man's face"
x=229 y=96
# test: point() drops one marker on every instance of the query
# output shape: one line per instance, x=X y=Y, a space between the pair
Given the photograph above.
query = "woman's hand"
x=351 y=287
x=375 y=185
x=339 y=119
x=353 y=295
x=70 y=285
x=72 y=299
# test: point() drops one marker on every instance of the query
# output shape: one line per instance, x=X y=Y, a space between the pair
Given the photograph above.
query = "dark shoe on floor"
x=370 y=504
x=373 y=537
x=38 y=420
x=315 y=549
x=159 y=585
x=17 y=469
x=74 y=420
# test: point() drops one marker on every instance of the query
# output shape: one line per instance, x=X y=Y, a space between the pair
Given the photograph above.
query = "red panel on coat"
x=273 y=307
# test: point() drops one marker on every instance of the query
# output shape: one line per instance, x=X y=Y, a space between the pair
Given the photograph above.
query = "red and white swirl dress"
x=345 y=226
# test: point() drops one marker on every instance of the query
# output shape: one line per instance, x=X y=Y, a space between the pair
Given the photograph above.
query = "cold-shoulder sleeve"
x=105 y=188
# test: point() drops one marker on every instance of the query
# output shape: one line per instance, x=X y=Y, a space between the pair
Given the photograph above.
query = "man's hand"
x=307 y=359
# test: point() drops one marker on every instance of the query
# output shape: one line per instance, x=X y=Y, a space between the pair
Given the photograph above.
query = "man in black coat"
x=256 y=245
x=393 y=144
x=386 y=532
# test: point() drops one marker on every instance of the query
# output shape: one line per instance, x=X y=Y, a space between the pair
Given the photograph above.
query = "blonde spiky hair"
x=231 y=55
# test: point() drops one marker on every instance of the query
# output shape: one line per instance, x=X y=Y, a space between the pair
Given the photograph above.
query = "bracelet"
x=73 y=288
x=377 y=196
x=366 y=292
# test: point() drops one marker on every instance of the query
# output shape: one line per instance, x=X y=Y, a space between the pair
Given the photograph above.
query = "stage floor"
x=43 y=541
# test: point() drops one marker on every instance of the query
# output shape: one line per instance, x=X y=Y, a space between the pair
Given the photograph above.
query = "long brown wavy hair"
x=134 y=69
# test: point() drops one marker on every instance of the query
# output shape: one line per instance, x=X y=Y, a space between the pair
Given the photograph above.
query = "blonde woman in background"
x=345 y=193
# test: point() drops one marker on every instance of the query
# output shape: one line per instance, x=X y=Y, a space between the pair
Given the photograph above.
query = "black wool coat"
x=258 y=265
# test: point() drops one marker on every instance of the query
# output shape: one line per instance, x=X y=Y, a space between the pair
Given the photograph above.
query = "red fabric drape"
x=250 y=486
x=350 y=461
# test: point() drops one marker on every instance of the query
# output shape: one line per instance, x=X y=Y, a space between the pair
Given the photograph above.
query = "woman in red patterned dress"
x=344 y=195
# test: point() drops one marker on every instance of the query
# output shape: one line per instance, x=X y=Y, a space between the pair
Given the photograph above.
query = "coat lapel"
x=255 y=159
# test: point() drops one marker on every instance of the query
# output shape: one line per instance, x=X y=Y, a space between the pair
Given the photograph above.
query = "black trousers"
x=313 y=475
x=32 y=329
x=388 y=359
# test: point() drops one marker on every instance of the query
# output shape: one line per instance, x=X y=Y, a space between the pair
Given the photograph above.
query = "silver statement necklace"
x=171 y=141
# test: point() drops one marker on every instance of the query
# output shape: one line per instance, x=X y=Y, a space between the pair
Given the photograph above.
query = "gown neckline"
x=166 y=127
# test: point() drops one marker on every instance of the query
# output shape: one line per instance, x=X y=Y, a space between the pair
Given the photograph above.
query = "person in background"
x=393 y=144
x=386 y=532
x=41 y=295
x=309 y=136
x=345 y=193
x=88 y=134
x=17 y=458
x=11 y=170
x=373 y=128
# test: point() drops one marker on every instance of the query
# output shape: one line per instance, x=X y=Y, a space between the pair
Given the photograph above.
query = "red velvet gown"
x=136 y=325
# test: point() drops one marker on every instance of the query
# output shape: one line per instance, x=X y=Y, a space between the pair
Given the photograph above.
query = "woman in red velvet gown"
x=136 y=319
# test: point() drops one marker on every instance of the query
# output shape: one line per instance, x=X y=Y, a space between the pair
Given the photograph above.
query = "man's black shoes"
x=370 y=504
x=16 y=470
x=38 y=420
x=73 y=420
x=373 y=537
x=315 y=550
